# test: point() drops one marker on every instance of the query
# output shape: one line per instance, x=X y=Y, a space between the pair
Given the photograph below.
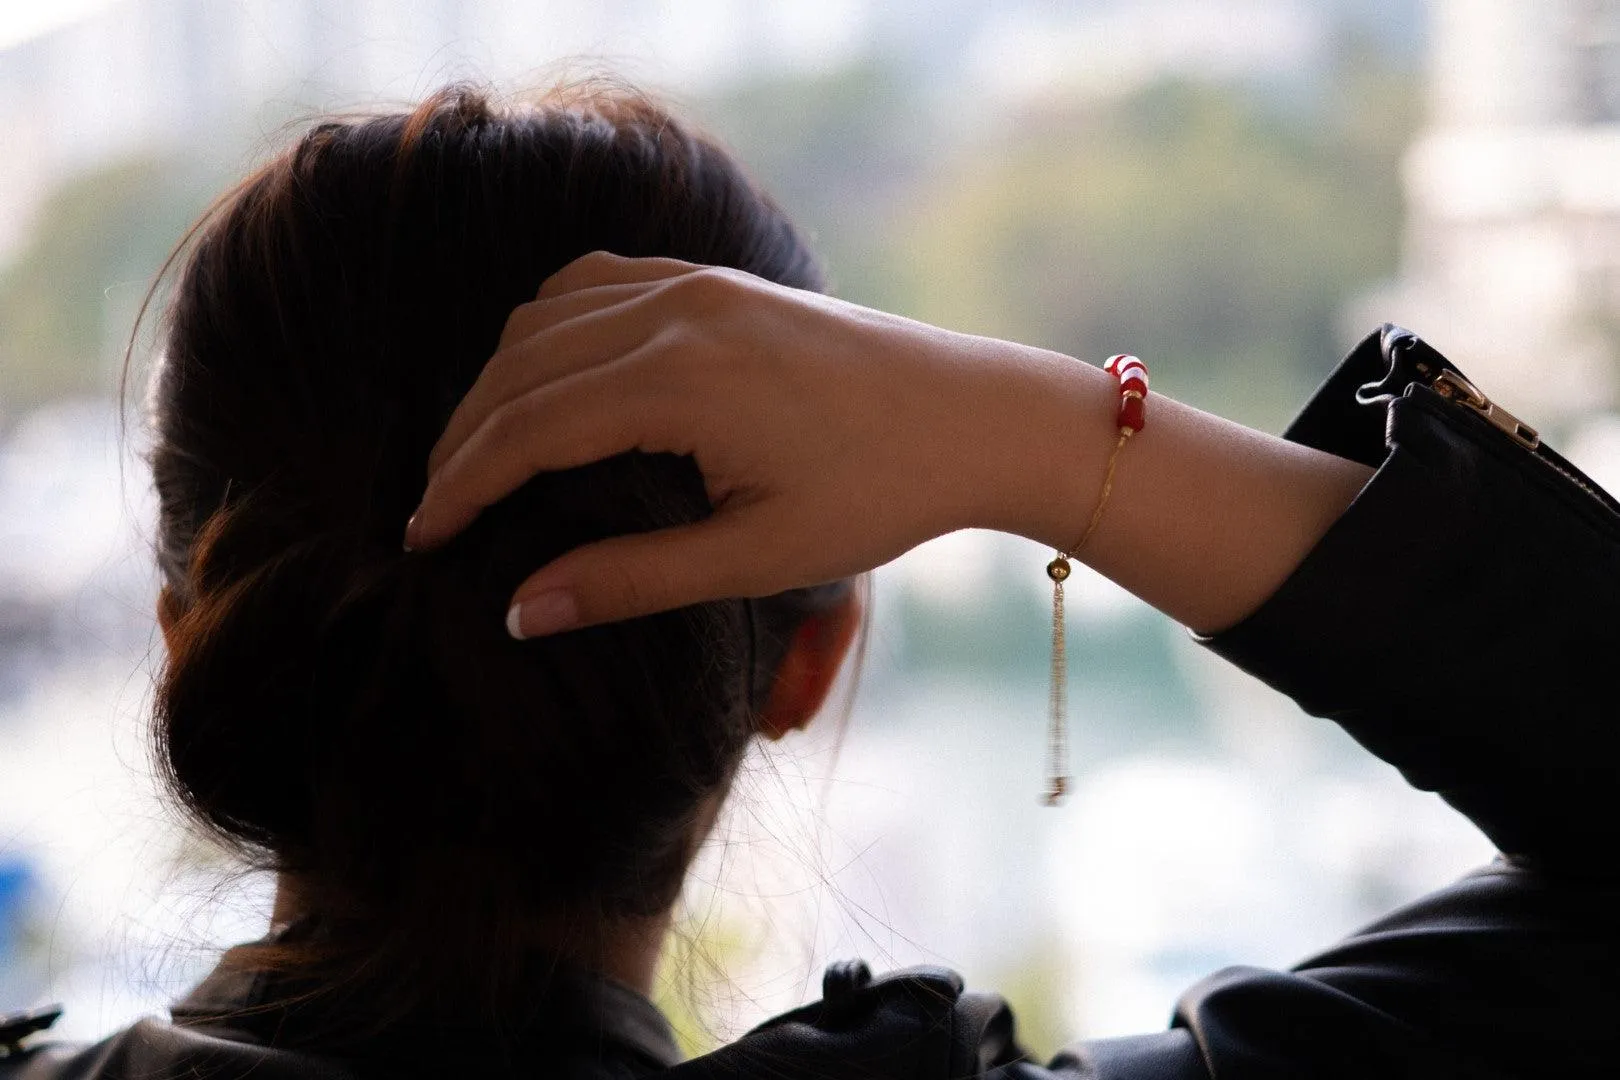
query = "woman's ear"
x=810 y=667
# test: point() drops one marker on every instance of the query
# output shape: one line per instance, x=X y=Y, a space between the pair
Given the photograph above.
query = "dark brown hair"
x=358 y=717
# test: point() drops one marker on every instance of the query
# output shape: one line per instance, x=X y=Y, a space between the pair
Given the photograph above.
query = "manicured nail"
x=543 y=613
x=413 y=531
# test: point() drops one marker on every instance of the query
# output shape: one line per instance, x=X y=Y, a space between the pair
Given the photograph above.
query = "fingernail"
x=543 y=613
x=413 y=531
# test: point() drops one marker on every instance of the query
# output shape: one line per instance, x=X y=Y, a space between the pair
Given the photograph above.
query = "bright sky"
x=22 y=19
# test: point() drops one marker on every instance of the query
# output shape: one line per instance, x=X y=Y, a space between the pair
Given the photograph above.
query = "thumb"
x=637 y=574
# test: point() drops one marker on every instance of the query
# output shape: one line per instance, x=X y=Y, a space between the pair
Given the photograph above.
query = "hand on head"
x=831 y=438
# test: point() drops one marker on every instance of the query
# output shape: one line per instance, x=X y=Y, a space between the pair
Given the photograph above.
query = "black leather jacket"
x=1455 y=620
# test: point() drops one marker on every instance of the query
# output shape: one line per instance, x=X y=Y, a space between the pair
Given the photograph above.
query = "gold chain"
x=1057 y=745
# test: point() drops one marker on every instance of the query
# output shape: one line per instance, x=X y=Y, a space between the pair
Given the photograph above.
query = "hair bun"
x=261 y=674
x=348 y=708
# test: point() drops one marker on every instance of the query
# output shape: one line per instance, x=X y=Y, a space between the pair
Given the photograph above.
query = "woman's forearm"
x=833 y=438
x=1206 y=517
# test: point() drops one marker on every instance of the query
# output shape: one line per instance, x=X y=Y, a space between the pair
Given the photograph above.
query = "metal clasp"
x=1452 y=386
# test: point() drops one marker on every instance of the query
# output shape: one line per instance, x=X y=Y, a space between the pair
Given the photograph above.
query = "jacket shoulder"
x=915 y=1023
x=151 y=1048
x=920 y=1023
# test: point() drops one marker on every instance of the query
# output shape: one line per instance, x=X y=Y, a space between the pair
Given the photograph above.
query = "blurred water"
x=1212 y=823
x=120 y=910
x=929 y=845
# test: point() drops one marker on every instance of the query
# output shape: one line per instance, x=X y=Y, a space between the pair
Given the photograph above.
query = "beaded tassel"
x=1133 y=387
x=1057 y=749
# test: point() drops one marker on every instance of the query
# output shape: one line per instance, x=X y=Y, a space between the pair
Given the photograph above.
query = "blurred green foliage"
x=844 y=153
x=1217 y=228
x=1038 y=985
x=1180 y=226
x=695 y=983
x=68 y=299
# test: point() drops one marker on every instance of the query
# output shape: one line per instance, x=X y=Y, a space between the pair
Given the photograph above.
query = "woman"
x=480 y=816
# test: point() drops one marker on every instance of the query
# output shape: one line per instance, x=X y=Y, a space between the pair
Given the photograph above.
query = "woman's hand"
x=831 y=438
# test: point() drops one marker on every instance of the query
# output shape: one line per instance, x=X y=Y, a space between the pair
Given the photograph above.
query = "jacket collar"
x=595 y=1014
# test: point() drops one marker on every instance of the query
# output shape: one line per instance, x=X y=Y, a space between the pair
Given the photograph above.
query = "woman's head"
x=357 y=717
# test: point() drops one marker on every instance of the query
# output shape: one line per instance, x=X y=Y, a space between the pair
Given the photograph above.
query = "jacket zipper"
x=1452 y=386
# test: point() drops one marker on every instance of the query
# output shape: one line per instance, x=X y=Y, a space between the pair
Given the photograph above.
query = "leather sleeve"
x=1461 y=621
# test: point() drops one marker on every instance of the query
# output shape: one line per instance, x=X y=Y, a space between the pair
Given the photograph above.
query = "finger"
x=625 y=276
x=538 y=316
x=581 y=418
x=623 y=577
x=598 y=336
x=606 y=268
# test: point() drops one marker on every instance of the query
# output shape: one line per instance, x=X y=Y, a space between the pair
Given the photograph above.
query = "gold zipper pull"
x=1453 y=387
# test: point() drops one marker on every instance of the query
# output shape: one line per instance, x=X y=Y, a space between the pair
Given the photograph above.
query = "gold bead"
x=1058 y=569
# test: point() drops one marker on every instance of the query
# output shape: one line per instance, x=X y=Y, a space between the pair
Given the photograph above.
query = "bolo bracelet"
x=1132 y=376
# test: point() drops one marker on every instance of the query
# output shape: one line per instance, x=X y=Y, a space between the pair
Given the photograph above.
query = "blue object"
x=16 y=887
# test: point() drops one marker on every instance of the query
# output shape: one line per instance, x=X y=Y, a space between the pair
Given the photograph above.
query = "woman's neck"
x=630 y=950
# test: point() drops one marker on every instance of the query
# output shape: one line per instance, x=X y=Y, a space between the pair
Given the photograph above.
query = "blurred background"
x=1237 y=190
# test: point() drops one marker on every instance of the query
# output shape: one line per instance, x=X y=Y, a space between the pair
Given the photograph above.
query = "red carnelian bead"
x=1130 y=413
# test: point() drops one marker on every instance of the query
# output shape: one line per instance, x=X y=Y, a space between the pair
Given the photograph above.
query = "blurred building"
x=213 y=77
x=1512 y=248
x=218 y=77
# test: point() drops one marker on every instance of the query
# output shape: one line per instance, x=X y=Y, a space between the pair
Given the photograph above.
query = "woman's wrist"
x=1207 y=517
x=1046 y=425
